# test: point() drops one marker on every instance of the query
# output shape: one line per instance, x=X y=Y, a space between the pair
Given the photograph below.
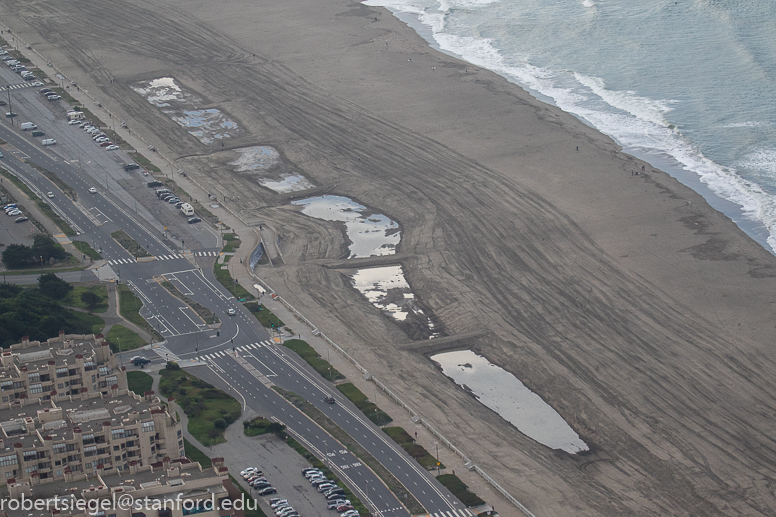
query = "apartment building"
x=168 y=488
x=68 y=365
x=66 y=410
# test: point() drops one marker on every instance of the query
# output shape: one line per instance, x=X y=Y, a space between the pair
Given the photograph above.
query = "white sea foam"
x=633 y=120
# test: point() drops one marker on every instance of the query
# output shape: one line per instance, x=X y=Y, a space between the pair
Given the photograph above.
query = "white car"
x=53 y=97
x=73 y=122
x=36 y=83
x=14 y=212
x=231 y=312
x=92 y=190
x=112 y=147
x=50 y=195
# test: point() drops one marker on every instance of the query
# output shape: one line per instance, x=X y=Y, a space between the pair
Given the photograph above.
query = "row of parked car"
x=18 y=67
x=256 y=479
x=98 y=136
x=12 y=210
x=166 y=195
x=334 y=494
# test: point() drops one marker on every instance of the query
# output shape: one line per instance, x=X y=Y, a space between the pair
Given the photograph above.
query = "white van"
x=187 y=209
x=28 y=125
x=75 y=115
x=48 y=141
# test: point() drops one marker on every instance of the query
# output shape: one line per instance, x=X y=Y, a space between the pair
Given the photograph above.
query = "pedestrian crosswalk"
x=121 y=261
x=206 y=254
x=164 y=353
x=117 y=262
x=15 y=86
x=225 y=353
x=452 y=513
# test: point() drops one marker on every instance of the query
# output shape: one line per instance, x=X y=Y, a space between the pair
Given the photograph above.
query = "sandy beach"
x=642 y=315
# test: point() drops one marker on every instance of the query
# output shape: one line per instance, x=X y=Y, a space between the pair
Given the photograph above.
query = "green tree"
x=90 y=299
x=17 y=256
x=53 y=286
x=219 y=423
x=45 y=247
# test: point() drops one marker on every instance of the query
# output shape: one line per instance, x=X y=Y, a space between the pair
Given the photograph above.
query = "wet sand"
x=640 y=314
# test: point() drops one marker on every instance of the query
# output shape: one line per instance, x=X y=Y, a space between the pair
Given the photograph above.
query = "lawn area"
x=139 y=382
x=313 y=358
x=264 y=315
x=87 y=250
x=73 y=298
x=197 y=455
x=226 y=280
x=129 y=305
x=129 y=244
x=231 y=242
x=209 y=409
x=421 y=455
x=122 y=339
x=372 y=412
x=261 y=425
x=460 y=490
x=96 y=323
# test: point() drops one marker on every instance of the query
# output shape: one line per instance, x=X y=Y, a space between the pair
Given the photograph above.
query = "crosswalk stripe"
x=449 y=514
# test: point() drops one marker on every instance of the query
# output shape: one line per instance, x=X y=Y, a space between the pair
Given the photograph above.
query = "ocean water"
x=687 y=85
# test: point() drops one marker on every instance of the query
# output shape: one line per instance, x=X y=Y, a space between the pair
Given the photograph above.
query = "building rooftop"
x=60 y=351
x=58 y=418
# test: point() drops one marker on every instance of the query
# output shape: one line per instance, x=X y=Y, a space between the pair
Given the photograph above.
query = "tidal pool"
x=260 y=161
x=207 y=124
x=388 y=290
x=506 y=395
x=370 y=234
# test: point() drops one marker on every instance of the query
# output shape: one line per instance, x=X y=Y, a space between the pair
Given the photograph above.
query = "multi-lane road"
x=240 y=356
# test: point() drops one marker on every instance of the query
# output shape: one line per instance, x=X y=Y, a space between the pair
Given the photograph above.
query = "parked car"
x=344 y=508
x=267 y=491
x=334 y=503
x=106 y=143
x=45 y=91
x=131 y=166
x=261 y=484
x=173 y=200
x=192 y=220
x=73 y=122
x=334 y=491
x=112 y=147
x=350 y=513
x=323 y=487
x=248 y=470
x=21 y=219
x=155 y=183
x=15 y=211
x=274 y=503
x=53 y=97
x=10 y=114
x=311 y=472
x=308 y=470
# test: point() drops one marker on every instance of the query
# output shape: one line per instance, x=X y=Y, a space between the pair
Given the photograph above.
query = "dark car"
x=155 y=183
x=193 y=220
x=21 y=219
x=329 y=400
x=267 y=491
x=261 y=485
x=140 y=361
x=131 y=166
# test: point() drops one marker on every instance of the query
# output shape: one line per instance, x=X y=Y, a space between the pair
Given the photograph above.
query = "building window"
x=8 y=460
x=29 y=470
x=88 y=438
x=148 y=427
x=36 y=388
x=90 y=451
x=179 y=433
x=30 y=455
x=87 y=465
x=9 y=474
x=18 y=385
x=6 y=385
x=5 y=399
x=104 y=370
x=60 y=386
x=59 y=448
x=117 y=433
x=33 y=377
x=62 y=372
x=89 y=365
x=118 y=458
x=59 y=473
x=111 y=380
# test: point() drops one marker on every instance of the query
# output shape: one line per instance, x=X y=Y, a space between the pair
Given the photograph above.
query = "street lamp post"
x=41 y=264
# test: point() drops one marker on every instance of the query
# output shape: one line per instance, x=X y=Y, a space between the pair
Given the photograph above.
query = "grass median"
x=264 y=315
x=140 y=382
x=129 y=244
x=369 y=408
x=122 y=339
x=129 y=308
x=421 y=455
x=209 y=410
x=314 y=359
